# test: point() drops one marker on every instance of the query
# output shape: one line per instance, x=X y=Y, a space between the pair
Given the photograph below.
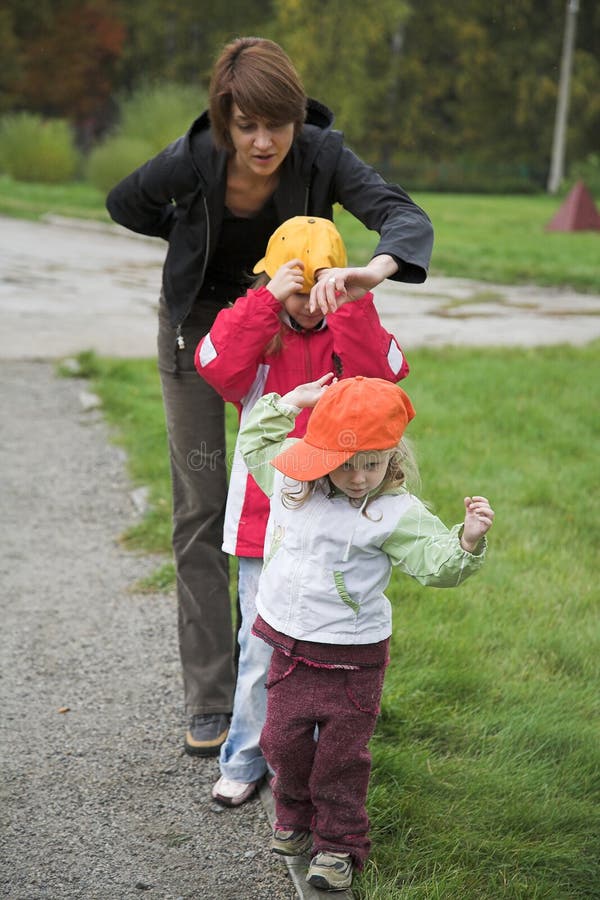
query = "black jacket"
x=179 y=195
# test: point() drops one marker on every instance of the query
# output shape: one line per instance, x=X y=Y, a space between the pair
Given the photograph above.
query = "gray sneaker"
x=291 y=843
x=206 y=734
x=330 y=871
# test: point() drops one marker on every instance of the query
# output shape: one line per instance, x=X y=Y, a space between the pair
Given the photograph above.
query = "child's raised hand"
x=287 y=280
x=306 y=395
x=479 y=517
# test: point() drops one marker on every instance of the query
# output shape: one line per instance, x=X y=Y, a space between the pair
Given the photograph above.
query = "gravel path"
x=97 y=798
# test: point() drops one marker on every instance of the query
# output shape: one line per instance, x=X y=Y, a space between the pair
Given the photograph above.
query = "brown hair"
x=259 y=77
x=275 y=344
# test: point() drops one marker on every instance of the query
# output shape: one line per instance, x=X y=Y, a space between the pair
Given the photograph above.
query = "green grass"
x=498 y=239
x=504 y=239
x=486 y=757
x=24 y=200
x=488 y=238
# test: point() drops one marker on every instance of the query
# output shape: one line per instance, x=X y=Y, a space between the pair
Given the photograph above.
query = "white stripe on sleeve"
x=207 y=351
x=395 y=357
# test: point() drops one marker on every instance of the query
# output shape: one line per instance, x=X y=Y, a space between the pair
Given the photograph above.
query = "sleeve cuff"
x=287 y=408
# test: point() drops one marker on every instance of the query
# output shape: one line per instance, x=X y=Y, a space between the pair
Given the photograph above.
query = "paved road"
x=72 y=286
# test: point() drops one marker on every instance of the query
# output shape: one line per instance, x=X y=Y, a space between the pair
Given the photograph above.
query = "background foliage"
x=34 y=149
x=441 y=96
x=149 y=119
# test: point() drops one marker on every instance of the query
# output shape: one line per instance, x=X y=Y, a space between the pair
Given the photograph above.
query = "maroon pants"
x=322 y=785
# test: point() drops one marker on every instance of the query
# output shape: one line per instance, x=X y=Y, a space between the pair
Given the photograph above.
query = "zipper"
x=179 y=338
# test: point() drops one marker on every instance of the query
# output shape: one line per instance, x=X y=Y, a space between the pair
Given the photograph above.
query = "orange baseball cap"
x=317 y=242
x=352 y=415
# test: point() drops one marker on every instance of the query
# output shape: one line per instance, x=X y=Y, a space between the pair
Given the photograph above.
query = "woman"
x=263 y=153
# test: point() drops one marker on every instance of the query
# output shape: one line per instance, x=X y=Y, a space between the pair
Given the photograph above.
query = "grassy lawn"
x=33 y=201
x=498 y=239
x=484 y=237
x=486 y=757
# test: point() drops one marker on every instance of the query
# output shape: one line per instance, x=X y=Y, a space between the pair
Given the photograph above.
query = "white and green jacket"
x=328 y=563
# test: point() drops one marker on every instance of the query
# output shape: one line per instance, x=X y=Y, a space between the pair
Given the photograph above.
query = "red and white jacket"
x=231 y=357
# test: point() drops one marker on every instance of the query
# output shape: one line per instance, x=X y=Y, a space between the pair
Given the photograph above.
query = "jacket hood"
x=208 y=161
x=318 y=114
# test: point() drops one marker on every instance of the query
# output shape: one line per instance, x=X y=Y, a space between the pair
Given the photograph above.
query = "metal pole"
x=562 y=107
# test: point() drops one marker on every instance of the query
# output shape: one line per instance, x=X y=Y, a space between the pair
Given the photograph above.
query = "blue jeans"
x=241 y=758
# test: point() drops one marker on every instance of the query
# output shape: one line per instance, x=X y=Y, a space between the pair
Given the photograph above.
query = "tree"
x=416 y=85
x=10 y=72
x=67 y=69
x=349 y=55
x=172 y=41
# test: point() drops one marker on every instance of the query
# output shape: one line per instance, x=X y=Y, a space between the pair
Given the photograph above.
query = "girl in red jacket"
x=272 y=340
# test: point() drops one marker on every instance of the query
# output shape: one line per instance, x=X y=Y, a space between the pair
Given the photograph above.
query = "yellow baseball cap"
x=317 y=242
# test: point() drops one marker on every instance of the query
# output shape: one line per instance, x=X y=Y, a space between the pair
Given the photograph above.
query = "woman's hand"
x=306 y=395
x=338 y=286
x=287 y=280
x=479 y=517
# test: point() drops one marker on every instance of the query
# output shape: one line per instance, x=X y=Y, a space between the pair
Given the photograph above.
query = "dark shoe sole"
x=320 y=882
x=205 y=749
x=202 y=751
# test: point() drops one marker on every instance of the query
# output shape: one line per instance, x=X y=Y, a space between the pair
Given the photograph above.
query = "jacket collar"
x=295 y=326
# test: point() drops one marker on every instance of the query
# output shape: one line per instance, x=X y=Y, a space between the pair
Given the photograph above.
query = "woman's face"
x=259 y=146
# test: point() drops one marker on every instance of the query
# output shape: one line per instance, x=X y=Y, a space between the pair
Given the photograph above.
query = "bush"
x=37 y=149
x=114 y=159
x=158 y=114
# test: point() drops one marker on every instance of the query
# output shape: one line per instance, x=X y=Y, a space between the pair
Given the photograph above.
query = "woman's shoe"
x=206 y=734
x=233 y=793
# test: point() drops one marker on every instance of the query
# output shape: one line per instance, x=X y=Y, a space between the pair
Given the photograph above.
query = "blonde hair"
x=402 y=471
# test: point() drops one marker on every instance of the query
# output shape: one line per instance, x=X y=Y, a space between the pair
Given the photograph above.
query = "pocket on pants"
x=364 y=688
x=281 y=666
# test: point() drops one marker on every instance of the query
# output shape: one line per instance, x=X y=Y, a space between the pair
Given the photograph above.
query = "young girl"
x=270 y=340
x=340 y=517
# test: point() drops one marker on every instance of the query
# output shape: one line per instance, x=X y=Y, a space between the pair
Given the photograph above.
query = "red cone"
x=578 y=212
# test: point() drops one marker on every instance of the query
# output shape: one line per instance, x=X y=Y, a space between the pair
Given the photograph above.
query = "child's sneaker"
x=233 y=793
x=291 y=843
x=330 y=871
